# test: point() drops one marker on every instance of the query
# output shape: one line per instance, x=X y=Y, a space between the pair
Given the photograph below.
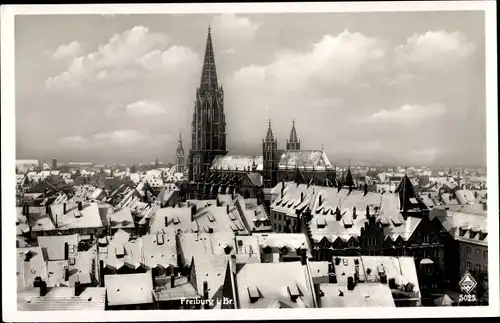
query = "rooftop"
x=264 y=285
x=92 y=298
x=308 y=159
x=129 y=289
x=363 y=295
x=241 y=163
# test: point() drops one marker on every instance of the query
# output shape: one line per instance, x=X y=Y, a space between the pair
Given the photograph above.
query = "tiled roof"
x=240 y=163
x=210 y=268
x=55 y=245
x=81 y=270
x=56 y=273
x=30 y=264
x=255 y=178
x=255 y=216
x=305 y=158
x=159 y=250
x=247 y=249
x=292 y=241
x=466 y=227
x=193 y=244
x=402 y=269
x=88 y=217
x=363 y=295
x=264 y=285
x=92 y=298
x=178 y=218
x=129 y=289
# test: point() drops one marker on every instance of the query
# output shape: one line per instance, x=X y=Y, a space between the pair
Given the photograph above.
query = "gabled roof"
x=91 y=299
x=261 y=285
x=129 y=289
x=307 y=159
x=363 y=295
x=55 y=245
x=239 y=163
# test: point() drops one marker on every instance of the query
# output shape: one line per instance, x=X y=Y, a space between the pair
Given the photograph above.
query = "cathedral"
x=212 y=171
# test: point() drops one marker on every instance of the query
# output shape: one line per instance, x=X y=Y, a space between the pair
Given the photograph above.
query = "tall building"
x=54 y=163
x=180 y=159
x=294 y=142
x=209 y=125
x=270 y=155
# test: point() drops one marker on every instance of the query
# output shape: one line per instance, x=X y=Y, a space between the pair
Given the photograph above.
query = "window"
x=468 y=249
x=485 y=254
x=426 y=238
x=486 y=269
x=477 y=268
x=467 y=265
x=279 y=227
x=478 y=252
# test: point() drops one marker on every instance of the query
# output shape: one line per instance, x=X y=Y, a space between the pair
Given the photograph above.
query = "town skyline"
x=143 y=49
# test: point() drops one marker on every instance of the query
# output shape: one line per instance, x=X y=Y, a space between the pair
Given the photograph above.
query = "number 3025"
x=467 y=298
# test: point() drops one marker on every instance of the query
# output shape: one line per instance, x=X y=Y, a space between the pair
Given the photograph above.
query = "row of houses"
x=210 y=271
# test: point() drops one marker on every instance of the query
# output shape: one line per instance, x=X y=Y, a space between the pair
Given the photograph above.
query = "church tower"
x=293 y=143
x=269 y=153
x=209 y=124
x=180 y=159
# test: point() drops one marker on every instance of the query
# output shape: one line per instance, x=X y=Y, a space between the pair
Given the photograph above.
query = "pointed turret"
x=406 y=192
x=269 y=135
x=349 y=181
x=270 y=162
x=179 y=155
x=293 y=143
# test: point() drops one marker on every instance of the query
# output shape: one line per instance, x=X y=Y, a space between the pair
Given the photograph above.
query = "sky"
x=396 y=87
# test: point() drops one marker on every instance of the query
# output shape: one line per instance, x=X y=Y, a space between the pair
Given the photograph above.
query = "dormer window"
x=253 y=293
x=472 y=234
x=284 y=251
x=461 y=232
x=321 y=222
x=482 y=235
x=294 y=292
x=267 y=250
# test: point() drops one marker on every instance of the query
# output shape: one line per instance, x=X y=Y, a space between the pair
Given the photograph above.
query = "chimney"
x=193 y=212
x=172 y=281
x=350 y=283
x=337 y=261
x=227 y=208
x=303 y=257
x=320 y=200
x=80 y=206
x=101 y=273
x=47 y=209
x=166 y=221
x=179 y=260
x=338 y=214
x=64 y=208
x=205 y=289
x=66 y=251
x=354 y=215
x=383 y=278
x=367 y=211
x=301 y=197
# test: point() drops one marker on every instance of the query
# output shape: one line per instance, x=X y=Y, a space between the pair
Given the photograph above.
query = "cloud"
x=434 y=49
x=126 y=56
x=67 y=50
x=142 y=108
x=230 y=31
x=408 y=113
x=341 y=59
x=127 y=138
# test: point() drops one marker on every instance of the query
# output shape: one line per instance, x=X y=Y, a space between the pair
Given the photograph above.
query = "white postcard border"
x=9 y=297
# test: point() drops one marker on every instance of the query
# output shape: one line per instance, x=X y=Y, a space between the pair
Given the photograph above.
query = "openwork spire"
x=180 y=149
x=209 y=72
x=269 y=136
x=293 y=133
